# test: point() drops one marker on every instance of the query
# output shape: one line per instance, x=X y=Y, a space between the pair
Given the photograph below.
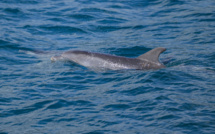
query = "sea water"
x=38 y=96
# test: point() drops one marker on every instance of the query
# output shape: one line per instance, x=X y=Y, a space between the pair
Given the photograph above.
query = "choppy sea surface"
x=38 y=96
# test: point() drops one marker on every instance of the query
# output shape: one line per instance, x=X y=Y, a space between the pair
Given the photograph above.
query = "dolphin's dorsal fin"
x=152 y=55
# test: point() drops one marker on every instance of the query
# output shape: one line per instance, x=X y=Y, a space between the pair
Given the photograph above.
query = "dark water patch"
x=111 y=20
x=82 y=17
x=97 y=132
x=65 y=86
x=25 y=110
x=165 y=76
x=54 y=30
x=4 y=43
x=13 y=62
x=102 y=80
x=3 y=132
x=11 y=48
x=170 y=3
x=167 y=117
x=136 y=91
x=64 y=103
x=192 y=126
x=119 y=6
x=211 y=57
x=97 y=10
x=58 y=104
x=144 y=106
x=207 y=20
x=108 y=123
x=162 y=13
x=117 y=106
x=61 y=29
x=13 y=10
x=66 y=119
x=190 y=106
x=45 y=121
x=32 y=29
x=134 y=51
x=194 y=15
x=139 y=27
x=20 y=2
x=15 y=14
x=5 y=101
x=32 y=92
x=76 y=78
x=53 y=13
x=57 y=19
x=162 y=98
x=104 y=29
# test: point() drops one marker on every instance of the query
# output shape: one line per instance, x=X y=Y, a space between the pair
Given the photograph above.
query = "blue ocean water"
x=37 y=96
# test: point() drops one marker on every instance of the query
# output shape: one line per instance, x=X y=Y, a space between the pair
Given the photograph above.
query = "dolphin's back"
x=98 y=60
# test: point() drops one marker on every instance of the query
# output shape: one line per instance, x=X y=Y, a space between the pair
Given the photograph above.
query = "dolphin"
x=145 y=61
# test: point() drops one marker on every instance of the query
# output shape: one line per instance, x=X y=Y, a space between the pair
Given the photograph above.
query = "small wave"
x=13 y=10
x=105 y=29
x=117 y=106
x=62 y=29
x=82 y=17
x=20 y=1
x=97 y=10
x=63 y=103
x=25 y=110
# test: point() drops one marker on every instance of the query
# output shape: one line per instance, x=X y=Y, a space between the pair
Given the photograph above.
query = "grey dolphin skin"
x=146 y=61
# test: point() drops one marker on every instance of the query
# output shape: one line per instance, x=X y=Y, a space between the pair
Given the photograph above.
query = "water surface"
x=37 y=96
